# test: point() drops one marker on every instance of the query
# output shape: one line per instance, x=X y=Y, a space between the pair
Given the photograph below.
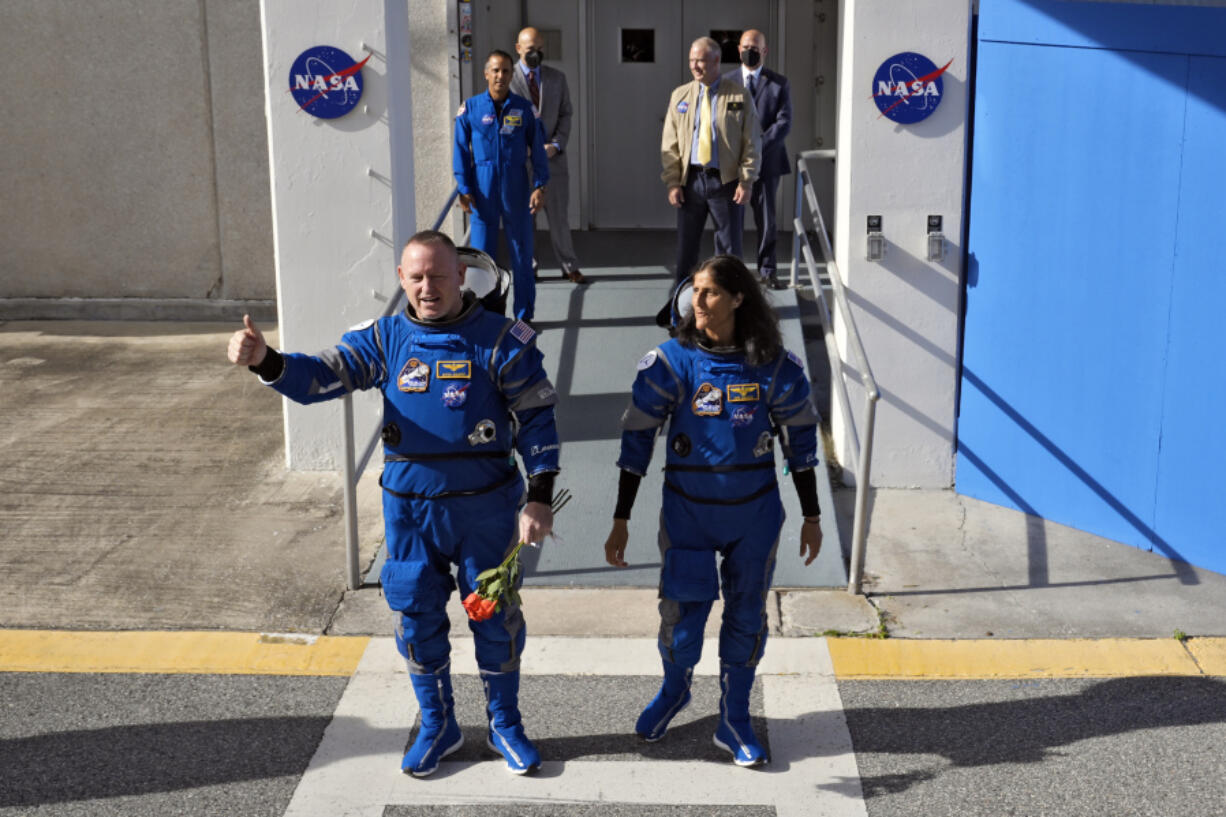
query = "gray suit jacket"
x=555 y=113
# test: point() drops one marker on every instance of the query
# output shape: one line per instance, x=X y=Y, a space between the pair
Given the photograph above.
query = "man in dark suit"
x=550 y=96
x=773 y=104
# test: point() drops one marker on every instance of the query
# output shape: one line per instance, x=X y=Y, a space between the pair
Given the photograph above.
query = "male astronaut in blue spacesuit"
x=495 y=133
x=456 y=381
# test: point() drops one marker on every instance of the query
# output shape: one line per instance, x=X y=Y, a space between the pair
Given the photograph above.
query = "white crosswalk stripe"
x=356 y=770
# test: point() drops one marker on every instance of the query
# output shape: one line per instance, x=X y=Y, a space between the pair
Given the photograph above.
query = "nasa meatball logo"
x=907 y=87
x=326 y=82
x=455 y=395
x=743 y=416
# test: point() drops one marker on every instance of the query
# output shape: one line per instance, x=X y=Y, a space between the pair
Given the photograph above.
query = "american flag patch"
x=522 y=332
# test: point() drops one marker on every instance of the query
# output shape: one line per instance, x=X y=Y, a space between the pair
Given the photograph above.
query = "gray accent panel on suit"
x=768 y=569
x=335 y=361
x=635 y=419
x=672 y=371
x=531 y=397
x=670 y=610
x=806 y=415
x=382 y=353
x=770 y=392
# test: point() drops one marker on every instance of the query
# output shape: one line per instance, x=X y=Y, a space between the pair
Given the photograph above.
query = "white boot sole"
x=744 y=764
x=455 y=747
x=660 y=737
x=510 y=768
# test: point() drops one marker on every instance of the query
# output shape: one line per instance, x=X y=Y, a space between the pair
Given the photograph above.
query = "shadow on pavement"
x=1026 y=730
x=117 y=761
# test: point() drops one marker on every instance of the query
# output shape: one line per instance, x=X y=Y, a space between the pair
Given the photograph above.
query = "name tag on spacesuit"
x=742 y=392
x=453 y=369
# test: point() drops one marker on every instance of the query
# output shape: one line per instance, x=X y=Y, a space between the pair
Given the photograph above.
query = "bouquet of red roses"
x=500 y=585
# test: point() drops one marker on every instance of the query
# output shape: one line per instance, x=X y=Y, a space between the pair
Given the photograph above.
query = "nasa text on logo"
x=326 y=82
x=907 y=87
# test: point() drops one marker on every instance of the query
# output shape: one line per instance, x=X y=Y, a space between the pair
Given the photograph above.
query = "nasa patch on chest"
x=743 y=416
x=455 y=395
x=415 y=376
x=708 y=401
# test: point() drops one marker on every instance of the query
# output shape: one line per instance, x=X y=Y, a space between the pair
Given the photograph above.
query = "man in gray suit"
x=550 y=96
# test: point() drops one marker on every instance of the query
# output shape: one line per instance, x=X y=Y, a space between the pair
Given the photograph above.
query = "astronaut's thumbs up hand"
x=247 y=346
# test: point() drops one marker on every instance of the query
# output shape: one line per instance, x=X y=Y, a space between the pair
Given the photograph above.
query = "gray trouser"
x=557 y=200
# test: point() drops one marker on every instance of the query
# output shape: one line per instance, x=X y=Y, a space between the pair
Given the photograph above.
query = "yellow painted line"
x=986 y=659
x=1210 y=653
x=205 y=653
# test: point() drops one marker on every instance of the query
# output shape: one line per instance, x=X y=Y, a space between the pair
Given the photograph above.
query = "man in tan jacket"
x=710 y=152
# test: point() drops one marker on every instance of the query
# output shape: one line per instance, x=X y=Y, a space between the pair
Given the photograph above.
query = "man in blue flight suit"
x=495 y=133
x=456 y=381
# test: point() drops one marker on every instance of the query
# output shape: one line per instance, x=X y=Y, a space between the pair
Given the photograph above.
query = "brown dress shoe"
x=575 y=276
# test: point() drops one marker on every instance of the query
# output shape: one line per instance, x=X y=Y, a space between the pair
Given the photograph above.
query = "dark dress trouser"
x=705 y=195
x=762 y=202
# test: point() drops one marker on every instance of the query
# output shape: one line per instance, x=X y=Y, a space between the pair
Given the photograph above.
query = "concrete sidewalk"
x=144 y=488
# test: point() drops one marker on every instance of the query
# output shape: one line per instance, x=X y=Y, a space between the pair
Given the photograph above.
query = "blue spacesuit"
x=720 y=496
x=451 y=485
x=490 y=164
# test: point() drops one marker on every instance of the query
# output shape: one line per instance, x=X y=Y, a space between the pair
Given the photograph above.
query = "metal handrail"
x=353 y=470
x=862 y=448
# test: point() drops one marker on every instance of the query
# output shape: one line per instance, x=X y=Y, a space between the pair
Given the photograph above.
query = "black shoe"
x=574 y=276
x=770 y=281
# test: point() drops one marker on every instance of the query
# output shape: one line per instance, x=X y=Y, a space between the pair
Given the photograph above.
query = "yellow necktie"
x=704 y=126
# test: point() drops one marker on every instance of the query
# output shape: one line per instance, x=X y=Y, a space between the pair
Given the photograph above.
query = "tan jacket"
x=736 y=128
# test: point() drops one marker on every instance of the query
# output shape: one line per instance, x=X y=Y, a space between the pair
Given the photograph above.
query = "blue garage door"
x=1093 y=383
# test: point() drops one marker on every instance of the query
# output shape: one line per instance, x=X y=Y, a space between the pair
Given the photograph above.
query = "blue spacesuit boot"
x=439 y=734
x=506 y=733
x=674 y=696
x=734 y=733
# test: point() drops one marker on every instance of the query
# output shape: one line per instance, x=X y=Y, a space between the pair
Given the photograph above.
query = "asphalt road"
x=207 y=744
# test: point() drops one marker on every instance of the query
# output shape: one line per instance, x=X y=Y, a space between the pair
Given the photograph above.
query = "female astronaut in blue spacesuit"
x=726 y=387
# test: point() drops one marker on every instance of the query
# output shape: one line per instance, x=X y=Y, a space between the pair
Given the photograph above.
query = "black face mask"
x=533 y=57
x=750 y=57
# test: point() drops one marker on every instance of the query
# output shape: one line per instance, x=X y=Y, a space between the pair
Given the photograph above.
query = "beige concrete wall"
x=434 y=62
x=135 y=157
x=135 y=161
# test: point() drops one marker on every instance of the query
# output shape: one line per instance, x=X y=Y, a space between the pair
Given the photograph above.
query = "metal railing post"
x=859 y=525
x=797 y=226
x=351 y=500
x=861 y=448
x=354 y=467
